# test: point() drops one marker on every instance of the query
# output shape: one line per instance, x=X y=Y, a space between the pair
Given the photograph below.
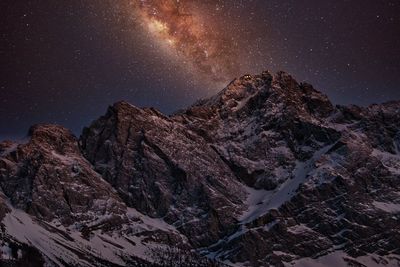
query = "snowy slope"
x=62 y=245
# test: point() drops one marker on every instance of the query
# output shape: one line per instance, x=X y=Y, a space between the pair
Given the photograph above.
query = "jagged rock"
x=49 y=178
x=260 y=125
x=265 y=173
x=164 y=170
x=76 y=214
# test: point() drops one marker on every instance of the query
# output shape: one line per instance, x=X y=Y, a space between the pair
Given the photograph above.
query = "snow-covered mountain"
x=266 y=173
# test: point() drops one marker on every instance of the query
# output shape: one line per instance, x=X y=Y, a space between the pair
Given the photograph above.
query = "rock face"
x=49 y=178
x=266 y=173
x=260 y=126
x=163 y=170
x=77 y=217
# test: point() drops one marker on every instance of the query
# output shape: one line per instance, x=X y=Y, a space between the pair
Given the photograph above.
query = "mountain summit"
x=268 y=172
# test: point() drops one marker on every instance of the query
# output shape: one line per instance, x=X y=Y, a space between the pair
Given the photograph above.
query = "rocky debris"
x=268 y=172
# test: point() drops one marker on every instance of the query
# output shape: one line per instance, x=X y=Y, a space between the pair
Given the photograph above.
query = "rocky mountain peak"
x=285 y=80
x=53 y=137
x=300 y=99
x=123 y=108
x=255 y=94
x=144 y=155
x=239 y=90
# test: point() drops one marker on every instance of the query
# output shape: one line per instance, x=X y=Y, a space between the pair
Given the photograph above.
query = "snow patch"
x=261 y=201
x=60 y=244
x=5 y=252
x=387 y=206
x=341 y=259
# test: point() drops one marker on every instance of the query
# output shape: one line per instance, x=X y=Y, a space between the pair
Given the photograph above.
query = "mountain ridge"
x=249 y=177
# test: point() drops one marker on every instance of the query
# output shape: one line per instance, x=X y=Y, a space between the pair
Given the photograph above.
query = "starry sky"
x=64 y=62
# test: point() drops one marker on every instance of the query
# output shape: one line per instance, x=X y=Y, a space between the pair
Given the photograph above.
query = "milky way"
x=179 y=24
x=65 y=61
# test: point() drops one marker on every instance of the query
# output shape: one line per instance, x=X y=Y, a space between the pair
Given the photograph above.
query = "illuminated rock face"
x=267 y=172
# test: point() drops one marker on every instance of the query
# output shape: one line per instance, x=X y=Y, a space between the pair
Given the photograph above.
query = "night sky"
x=64 y=62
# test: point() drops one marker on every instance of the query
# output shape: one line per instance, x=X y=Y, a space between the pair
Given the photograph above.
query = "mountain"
x=268 y=172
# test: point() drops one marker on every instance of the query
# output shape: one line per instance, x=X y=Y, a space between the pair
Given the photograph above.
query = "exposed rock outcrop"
x=268 y=172
x=163 y=170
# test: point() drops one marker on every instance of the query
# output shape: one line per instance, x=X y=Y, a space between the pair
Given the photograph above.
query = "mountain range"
x=268 y=172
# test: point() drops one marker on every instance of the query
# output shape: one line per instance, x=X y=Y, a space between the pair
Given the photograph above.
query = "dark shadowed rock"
x=164 y=170
x=265 y=173
x=49 y=178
